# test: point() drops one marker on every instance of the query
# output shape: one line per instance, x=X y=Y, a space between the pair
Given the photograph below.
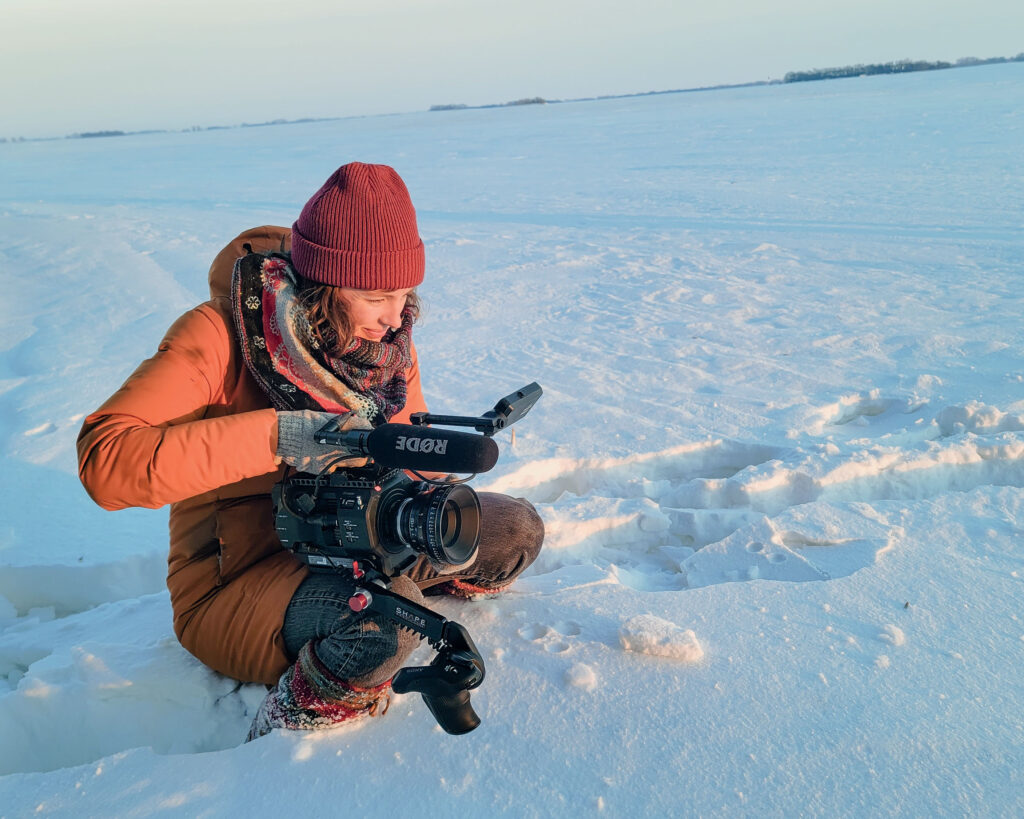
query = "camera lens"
x=443 y=523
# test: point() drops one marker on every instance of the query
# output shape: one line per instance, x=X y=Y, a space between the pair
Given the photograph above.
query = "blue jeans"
x=511 y=534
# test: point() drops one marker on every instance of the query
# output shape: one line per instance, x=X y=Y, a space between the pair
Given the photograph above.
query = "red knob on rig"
x=359 y=601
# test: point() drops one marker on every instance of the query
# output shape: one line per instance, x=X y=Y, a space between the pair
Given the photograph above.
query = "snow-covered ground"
x=780 y=456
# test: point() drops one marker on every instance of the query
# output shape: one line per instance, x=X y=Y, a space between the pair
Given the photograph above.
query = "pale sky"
x=78 y=65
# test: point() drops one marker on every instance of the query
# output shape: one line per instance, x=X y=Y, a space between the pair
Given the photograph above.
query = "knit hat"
x=359 y=230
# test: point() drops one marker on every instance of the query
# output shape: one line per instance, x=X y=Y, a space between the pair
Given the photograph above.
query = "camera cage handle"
x=456 y=670
x=505 y=413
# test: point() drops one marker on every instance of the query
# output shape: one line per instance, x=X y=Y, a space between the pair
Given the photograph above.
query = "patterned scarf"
x=273 y=329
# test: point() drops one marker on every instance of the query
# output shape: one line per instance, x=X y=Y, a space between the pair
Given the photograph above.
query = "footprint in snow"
x=893 y=635
x=552 y=638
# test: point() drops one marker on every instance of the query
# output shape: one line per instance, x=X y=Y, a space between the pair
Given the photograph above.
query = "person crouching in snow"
x=228 y=406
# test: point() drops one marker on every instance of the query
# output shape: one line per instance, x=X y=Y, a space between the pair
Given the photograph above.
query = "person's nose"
x=392 y=317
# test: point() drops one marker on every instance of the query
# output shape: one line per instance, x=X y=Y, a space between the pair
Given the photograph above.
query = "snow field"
x=778 y=457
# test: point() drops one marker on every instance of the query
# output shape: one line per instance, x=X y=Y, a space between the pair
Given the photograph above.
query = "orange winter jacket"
x=190 y=427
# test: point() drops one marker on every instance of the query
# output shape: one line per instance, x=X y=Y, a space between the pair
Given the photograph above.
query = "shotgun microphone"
x=420 y=449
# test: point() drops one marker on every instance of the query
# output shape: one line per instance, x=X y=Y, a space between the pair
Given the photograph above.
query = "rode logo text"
x=438 y=446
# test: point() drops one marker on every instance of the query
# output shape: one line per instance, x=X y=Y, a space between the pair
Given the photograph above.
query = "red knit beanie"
x=359 y=230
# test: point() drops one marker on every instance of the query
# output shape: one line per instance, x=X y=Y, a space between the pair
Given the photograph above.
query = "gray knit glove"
x=296 y=446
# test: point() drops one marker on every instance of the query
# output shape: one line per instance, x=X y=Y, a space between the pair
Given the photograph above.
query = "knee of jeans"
x=371 y=649
x=356 y=648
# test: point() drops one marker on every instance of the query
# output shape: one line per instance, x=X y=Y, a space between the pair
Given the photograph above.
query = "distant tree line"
x=194 y=128
x=92 y=134
x=895 y=67
x=461 y=106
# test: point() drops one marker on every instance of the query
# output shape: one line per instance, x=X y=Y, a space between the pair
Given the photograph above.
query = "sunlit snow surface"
x=780 y=456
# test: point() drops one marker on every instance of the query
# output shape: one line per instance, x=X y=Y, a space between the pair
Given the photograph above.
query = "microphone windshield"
x=427 y=449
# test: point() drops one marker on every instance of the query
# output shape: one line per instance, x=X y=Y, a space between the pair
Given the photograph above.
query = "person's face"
x=374 y=312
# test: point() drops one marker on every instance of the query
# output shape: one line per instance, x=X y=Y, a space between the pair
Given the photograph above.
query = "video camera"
x=375 y=522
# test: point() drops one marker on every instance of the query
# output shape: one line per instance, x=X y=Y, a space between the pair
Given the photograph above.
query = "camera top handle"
x=456 y=670
x=505 y=413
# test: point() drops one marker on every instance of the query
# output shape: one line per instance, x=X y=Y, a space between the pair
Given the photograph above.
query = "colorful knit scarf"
x=274 y=333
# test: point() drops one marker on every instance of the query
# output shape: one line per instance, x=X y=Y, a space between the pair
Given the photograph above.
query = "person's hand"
x=297 y=447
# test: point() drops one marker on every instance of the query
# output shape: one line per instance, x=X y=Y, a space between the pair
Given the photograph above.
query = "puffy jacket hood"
x=262 y=240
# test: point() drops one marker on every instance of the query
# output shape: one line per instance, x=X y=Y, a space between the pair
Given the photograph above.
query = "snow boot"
x=311 y=695
x=471 y=591
x=308 y=697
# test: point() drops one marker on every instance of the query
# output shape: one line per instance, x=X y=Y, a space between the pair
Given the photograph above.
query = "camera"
x=377 y=516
